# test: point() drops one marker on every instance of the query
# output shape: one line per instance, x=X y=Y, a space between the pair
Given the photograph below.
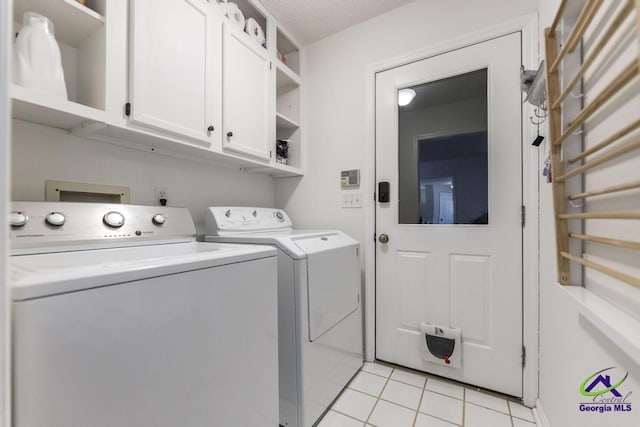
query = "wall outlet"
x=162 y=193
x=351 y=200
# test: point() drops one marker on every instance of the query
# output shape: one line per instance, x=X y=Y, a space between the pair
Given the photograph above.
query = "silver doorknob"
x=383 y=238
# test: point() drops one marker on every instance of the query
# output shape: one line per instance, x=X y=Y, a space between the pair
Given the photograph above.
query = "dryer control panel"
x=225 y=219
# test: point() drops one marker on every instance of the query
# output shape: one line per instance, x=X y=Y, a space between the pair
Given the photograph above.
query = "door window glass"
x=442 y=151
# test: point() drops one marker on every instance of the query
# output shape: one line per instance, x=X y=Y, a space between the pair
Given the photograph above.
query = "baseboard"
x=539 y=416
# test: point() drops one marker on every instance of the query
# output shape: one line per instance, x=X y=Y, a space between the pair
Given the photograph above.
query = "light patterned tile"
x=368 y=383
x=387 y=414
x=409 y=377
x=354 y=404
x=445 y=387
x=444 y=407
x=486 y=400
x=477 y=416
x=377 y=368
x=402 y=394
x=334 y=419
x=517 y=422
x=521 y=411
x=425 y=420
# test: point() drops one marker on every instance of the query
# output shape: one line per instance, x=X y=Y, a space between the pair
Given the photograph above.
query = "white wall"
x=335 y=93
x=41 y=153
x=570 y=348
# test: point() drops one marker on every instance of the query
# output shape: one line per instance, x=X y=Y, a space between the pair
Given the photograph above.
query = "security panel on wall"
x=350 y=178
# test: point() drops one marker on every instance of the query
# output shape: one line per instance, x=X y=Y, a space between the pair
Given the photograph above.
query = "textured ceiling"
x=311 y=20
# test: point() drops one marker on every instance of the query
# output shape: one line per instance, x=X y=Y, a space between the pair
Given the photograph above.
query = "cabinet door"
x=246 y=73
x=173 y=75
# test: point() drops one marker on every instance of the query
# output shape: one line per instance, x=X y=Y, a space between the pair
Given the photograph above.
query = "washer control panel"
x=220 y=220
x=55 y=219
x=41 y=225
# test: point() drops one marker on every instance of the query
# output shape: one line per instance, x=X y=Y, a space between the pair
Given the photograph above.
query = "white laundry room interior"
x=297 y=213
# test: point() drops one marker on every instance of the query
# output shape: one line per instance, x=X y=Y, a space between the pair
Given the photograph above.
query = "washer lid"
x=39 y=275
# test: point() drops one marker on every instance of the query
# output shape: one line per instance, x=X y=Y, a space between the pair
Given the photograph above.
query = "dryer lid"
x=333 y=280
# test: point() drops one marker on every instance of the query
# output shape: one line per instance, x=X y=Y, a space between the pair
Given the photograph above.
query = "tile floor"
x=384 y=396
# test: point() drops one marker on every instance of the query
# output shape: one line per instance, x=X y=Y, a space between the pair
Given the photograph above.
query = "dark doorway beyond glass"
x=443 y=152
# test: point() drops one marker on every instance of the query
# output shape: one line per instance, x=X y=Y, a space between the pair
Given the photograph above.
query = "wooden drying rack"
x=578 y=165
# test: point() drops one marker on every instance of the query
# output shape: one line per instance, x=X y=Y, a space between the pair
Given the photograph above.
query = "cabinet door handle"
x=210 y=128
x=229 y=134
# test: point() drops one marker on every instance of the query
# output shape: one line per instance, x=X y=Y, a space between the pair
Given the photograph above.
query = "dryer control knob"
x=158 y=219
x=55 y=218
x=18 y=219
x=279 y=216
x=113 y=219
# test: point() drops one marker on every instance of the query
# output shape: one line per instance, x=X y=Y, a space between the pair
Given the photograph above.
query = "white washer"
x=319 y=309
x=121 y=319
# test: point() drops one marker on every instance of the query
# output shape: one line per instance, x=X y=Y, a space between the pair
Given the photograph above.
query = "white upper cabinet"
x=157 y=75
x=246 y=101
x=175 y=70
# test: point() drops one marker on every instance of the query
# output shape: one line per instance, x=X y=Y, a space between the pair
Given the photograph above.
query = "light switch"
x=351 y=200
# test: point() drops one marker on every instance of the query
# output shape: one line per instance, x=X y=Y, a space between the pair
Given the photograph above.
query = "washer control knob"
x=158 y=219
x=113 y=219
x=55 y=218
x=18 y=219
x=279 y=216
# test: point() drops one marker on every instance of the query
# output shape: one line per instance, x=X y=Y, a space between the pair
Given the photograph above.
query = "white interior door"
x=454 y=151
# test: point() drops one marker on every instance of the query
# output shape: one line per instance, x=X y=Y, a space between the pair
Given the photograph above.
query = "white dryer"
x=120 y=318
x=319 y=305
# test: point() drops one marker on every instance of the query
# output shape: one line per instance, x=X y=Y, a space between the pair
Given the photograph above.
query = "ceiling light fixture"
x=405 y=96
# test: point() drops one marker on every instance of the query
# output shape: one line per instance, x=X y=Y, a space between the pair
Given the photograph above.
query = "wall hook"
x=537 y=123
x=540 y=116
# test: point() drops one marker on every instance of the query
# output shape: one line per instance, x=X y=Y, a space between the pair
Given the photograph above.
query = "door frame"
x=528 y=26
x=6 y=17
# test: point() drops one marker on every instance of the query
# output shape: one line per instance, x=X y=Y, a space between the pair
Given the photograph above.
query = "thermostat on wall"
x=350 y=178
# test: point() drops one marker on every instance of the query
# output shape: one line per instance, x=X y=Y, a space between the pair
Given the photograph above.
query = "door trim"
x=528 y=26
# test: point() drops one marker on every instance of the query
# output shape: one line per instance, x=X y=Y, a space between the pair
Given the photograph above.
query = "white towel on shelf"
x=255 y=31
x=235 y=15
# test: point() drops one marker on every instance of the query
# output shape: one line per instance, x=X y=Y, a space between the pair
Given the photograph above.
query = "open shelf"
x=283 y=123
x=288 y=90
x=72 y=21
x=285 y=77
x=80 y=33
x=166 y=145
x=250 y=10
x=282 y=171
x=278 y=170
x=288 y=52
x=59 y=113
